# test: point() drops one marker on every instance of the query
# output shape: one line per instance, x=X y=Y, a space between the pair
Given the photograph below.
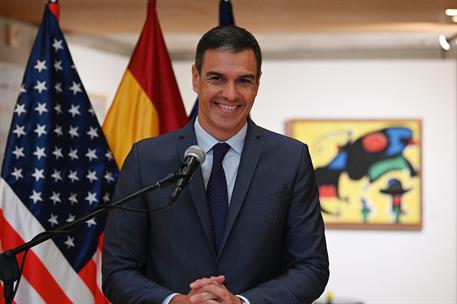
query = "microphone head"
x=197 y=152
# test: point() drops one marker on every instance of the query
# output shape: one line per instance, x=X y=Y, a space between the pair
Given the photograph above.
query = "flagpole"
x=9 y=268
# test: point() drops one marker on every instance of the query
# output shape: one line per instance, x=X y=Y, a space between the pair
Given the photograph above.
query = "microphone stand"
x=9 y=269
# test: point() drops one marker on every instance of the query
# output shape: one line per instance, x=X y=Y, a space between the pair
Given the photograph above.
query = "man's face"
x=226 y=86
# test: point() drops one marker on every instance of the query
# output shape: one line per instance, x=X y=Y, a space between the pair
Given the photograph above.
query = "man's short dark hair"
x=228 y=37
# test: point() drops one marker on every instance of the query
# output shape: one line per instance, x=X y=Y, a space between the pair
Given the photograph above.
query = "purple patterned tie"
x=217 y=194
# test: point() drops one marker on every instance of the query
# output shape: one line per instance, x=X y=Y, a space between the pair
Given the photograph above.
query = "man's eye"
x=215 y=78
x=245 y=81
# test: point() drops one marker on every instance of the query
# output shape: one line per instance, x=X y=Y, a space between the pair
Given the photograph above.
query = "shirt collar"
x=206 y=141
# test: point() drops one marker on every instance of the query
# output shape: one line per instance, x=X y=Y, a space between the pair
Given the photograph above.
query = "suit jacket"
x=274 y=248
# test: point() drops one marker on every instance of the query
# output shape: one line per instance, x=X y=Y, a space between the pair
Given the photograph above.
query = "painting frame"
x=404 y=211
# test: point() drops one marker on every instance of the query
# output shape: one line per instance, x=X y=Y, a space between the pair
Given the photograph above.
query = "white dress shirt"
x=231 y=160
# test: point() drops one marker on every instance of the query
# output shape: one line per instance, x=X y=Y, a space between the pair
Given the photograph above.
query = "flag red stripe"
x=89 y=276
x=34 y=270
x=43 y=282
x=101 y=239
x=99 y=296
x=6 y=238
x=55 y=9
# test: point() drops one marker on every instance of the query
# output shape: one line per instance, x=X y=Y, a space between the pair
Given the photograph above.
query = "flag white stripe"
x=15 y=212
x=98 y=263
x=26 y=294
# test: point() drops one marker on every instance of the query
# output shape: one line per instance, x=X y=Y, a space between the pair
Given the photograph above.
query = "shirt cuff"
x=168 y=299
x=244 y=299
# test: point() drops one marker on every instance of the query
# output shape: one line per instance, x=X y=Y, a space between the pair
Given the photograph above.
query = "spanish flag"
x=147 y=102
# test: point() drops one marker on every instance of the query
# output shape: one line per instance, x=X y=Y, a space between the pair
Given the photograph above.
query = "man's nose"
x=230 y=91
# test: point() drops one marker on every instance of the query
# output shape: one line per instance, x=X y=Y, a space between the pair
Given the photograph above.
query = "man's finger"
x=202 y=297
x=219 y=291
x=204 y=281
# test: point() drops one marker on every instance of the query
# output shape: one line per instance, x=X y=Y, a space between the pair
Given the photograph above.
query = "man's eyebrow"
x=245 y=76
x=213 y=73
x=250 y=76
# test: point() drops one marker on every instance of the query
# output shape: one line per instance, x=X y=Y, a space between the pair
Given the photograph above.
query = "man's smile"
x=226 y=107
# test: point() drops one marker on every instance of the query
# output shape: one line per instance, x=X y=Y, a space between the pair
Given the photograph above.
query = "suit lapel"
x=196 y=186
x=248 y=163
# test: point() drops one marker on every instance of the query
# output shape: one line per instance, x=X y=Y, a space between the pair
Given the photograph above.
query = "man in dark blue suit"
x=248 y=227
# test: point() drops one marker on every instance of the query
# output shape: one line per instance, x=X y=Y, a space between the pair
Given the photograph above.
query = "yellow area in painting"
x=348 y=207
x=326 y=137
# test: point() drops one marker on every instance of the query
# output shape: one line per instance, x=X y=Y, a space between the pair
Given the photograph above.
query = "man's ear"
x=195 y=78
x=258 y=81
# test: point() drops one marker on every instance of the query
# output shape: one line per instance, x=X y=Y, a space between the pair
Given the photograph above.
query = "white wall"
x=100 y=73
x=10 y=86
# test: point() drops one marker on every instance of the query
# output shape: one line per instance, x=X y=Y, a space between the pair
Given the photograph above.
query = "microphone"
x=193 y=158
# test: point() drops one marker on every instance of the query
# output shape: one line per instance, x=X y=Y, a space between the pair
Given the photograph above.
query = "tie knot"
x=219 y=151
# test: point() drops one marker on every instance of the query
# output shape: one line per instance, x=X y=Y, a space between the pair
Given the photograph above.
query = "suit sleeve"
x=306 y=267
x=125 y=245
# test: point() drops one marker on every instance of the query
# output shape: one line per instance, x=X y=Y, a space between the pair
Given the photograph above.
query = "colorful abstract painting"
x=368 y=171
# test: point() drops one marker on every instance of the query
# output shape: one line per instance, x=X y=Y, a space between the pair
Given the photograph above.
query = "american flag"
x=57 y=168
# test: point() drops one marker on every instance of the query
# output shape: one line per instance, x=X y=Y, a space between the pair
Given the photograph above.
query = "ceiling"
x=260 y=16
x=329 y=23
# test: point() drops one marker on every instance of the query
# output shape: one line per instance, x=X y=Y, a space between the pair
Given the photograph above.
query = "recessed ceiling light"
x=451 y=12
x=444 y=43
